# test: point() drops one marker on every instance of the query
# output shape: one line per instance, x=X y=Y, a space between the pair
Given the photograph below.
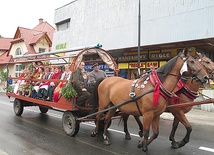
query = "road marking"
x=93 y=125
x=3 y=153
x=206 y=149
x=118 y=131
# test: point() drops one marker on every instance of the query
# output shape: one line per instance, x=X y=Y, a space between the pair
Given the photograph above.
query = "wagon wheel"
x=43 y=109
x=18 y=107
x=70 y=124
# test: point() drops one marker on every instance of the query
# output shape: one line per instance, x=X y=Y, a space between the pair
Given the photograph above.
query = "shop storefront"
x=128 y=62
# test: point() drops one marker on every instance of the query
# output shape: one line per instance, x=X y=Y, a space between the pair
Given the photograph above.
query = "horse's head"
x=207 y=64
x=192 y=68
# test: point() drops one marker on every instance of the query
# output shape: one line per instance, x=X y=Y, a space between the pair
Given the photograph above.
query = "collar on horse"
x=182 y=88
x=159 y=88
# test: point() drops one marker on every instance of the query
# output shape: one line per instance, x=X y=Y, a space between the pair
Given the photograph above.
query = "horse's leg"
x=97 y=120
x=147 y=120
x=108 y=117
x=172 y=134
x=182 y=118
x=125 y=119
x=155 y=128
x=137 y=118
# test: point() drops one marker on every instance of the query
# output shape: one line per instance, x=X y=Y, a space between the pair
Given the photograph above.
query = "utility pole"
x=139 y=20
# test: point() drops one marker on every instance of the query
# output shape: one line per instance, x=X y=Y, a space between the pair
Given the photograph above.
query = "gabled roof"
x=45 y=27
x=5 y=44
x=32 y=36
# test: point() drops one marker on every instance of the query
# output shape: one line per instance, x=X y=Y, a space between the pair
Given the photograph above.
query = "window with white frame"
x=18 y=51
x=18 y=70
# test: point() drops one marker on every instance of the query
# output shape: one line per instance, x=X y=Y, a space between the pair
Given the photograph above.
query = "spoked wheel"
x=70 y=124
x=43 y=109
x=18 y=107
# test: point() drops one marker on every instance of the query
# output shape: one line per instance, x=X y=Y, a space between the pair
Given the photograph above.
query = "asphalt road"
x=34 y=133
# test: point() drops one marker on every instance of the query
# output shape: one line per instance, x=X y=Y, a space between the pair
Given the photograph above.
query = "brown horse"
x=187 y=91
x=148 y=98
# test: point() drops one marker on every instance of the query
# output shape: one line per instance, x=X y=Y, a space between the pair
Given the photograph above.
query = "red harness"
x=159 y=88
x=182 y=88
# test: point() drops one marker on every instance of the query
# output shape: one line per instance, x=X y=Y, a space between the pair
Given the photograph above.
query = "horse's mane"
x=166 y=68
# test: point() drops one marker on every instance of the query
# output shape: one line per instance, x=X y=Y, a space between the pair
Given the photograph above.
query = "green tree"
x=1 y=36
x=3 y=75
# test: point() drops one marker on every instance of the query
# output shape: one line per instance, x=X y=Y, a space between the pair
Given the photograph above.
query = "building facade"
x=165 y=28
x=26 y=41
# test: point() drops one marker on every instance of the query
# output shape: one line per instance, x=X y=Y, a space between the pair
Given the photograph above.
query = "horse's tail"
x=95 y=95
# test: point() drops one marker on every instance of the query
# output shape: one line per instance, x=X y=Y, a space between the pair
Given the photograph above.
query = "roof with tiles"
x=29 y=37
x=4 y=58
x=5 y=44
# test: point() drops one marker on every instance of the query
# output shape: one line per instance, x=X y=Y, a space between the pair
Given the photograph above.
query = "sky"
x=26 y=13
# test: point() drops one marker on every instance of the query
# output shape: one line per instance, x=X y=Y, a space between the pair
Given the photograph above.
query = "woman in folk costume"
x=28 y=72
x=36 y=67
x=65 y=76
x=19 y=82
x=47 y=72
x=41 y=75
x=50 y=86
x=26 y=88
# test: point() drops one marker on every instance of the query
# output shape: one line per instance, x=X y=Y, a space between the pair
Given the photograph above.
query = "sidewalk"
x=196 y=115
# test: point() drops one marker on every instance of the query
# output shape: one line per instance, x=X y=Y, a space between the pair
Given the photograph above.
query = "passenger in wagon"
x=37 y=65
x=41 y=75
x=80 y=85
x=25 y=88
x=47 y=72
x=66 y=75
x=19 y=82
x=52 y=85
x=96 y=74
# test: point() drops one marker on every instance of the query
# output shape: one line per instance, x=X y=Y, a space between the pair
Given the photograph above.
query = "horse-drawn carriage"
x=68 y=106
x=148 y=96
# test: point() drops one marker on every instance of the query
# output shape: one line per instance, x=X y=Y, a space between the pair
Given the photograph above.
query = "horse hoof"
x=174 y=145
x=106 y=142
x=93 y=134
x=127 y=137
x=140 y=144
x=140 y=133
x=146 y=151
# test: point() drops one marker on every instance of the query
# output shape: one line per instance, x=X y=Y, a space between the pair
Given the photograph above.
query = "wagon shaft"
x=180 y=105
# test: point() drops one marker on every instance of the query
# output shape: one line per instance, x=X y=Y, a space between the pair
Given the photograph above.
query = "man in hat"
x=96 y=74
x=80 y=85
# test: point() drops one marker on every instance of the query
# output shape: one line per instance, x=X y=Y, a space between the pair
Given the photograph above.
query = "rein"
x=117 y=106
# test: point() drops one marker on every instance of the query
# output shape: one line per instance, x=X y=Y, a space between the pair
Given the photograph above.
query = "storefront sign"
x=61 y=46
x=150 y=64
x=160 y=56
x=132 y=57
x=134 y=65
